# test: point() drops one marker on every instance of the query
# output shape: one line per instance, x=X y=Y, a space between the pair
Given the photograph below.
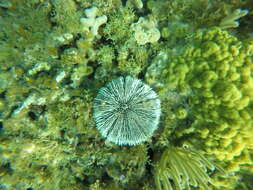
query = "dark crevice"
x=178 y=141
x=77 y=37
x=148 y=165
x=51 y=16
x=103 y=40
x=43 y=109
x=85 y=180
x=105 y=177
x=32 y=115
x=4 y=8
x=2 y=94
x=7 y=167
x=64 y=47
x=66 y=81
x=53 y=24
x=1 y=126
x=124 y=2
x=62 y=133
x=89 y=179
x=142 y=74
x=71 y=44
x=144 y=11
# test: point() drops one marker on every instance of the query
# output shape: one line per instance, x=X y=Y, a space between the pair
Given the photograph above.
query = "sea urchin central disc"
x=126 y=111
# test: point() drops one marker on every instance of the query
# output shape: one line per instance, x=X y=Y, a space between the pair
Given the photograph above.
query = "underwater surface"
x=126 y=95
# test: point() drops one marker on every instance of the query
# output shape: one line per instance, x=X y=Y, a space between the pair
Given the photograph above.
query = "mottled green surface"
x=52 y=66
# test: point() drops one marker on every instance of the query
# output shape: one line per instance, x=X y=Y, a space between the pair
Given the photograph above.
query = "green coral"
x=214 y=69
x=230 y=20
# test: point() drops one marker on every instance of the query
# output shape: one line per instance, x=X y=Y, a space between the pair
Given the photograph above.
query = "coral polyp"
x=126 y=111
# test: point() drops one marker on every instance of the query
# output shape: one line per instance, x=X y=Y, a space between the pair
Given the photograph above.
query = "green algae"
x=51 y=68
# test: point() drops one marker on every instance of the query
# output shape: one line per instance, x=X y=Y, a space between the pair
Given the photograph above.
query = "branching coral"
x=92 y=22
x=230 y=21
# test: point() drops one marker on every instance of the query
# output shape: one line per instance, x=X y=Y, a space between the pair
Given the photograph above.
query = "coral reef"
x=55 y=56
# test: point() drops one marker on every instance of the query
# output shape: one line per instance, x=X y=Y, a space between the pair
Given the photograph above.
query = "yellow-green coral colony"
x=217 y=70
x=66 y=117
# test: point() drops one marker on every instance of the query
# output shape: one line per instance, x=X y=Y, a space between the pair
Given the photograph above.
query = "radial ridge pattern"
x=126 y=111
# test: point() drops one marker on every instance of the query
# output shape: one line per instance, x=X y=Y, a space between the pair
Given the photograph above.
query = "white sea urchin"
x=126 y=111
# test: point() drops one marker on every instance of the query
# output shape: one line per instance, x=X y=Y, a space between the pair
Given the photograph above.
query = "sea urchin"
x=126 y=111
